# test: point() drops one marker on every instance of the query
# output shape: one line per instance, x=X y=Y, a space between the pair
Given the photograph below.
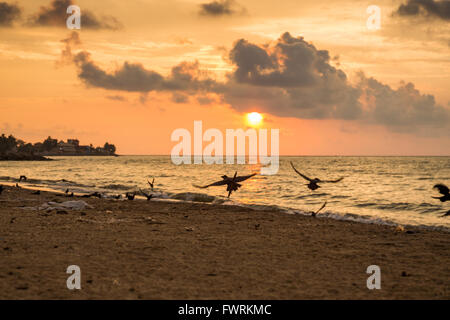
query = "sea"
x=380 y=190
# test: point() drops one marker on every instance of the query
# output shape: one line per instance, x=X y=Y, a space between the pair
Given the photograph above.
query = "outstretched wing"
x=298 y=172
x=218 y=183
x=243 y=178
x=323 y=206
x=333 y=181
x=442 y=188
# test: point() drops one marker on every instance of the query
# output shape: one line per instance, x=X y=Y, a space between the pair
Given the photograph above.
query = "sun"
x=254 y=119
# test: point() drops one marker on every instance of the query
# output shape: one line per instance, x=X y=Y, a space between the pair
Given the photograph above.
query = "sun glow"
x=254 y=119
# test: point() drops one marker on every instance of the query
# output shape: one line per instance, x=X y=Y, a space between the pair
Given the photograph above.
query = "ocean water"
x=385 y=190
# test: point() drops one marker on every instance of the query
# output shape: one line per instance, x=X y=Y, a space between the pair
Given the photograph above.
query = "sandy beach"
x=174 y=250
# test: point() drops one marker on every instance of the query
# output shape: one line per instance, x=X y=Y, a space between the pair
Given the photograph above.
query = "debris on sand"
x=68 y=205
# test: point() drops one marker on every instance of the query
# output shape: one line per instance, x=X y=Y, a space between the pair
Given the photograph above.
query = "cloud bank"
x=288 y=78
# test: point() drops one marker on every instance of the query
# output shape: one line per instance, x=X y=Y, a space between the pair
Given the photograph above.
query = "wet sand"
x=171 y=250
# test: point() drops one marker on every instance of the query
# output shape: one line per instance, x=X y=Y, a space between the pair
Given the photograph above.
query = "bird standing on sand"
x=148 y=196
x=232 y=183
x=24 y=178
x=130 y=196
x=151 y=184
x=443 y=189
x=313 y=183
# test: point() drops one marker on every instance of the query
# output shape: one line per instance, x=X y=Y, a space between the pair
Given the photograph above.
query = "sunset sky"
x=139 y=69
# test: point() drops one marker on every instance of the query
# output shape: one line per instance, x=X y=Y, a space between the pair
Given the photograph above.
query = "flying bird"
x=443 y=189
x=315 y=213
x=313 y=183
x=148 y=196
x=151 y=184
x=232 y=183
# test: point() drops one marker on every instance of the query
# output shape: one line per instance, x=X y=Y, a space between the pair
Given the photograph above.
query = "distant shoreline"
x=28 y=157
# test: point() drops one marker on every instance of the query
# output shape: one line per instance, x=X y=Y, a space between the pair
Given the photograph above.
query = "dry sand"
x=164 y=250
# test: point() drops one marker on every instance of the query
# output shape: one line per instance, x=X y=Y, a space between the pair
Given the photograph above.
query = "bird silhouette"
x=117 y=197
x=313 y=183
x=315 y=213
x=443 y=189
x=148 y=196
x=130 y=195
x=232 y=183
x=151 y=184
x=24 y=178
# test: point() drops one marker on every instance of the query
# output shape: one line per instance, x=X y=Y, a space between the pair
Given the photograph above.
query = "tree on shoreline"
x=9 y=144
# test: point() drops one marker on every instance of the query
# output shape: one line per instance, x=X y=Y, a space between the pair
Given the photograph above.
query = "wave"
x=192 y=196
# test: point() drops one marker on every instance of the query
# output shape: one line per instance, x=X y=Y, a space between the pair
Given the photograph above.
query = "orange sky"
x=41 y=97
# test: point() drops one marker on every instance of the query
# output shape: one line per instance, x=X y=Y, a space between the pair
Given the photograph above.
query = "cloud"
x=402 y=109
x=440 y=9
x=9 y=13
x=55 y=15
x=292 y=78
x=134 y=77
x=66 y=54
x=221 y=8
x=288 y=77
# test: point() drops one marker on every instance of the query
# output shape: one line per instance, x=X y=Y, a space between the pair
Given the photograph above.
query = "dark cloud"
x=402 y=109
x=440 y=9
x=134 y=77
x=55 y=15
x=9 y=13
x=220 y=8
x=290 y=78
